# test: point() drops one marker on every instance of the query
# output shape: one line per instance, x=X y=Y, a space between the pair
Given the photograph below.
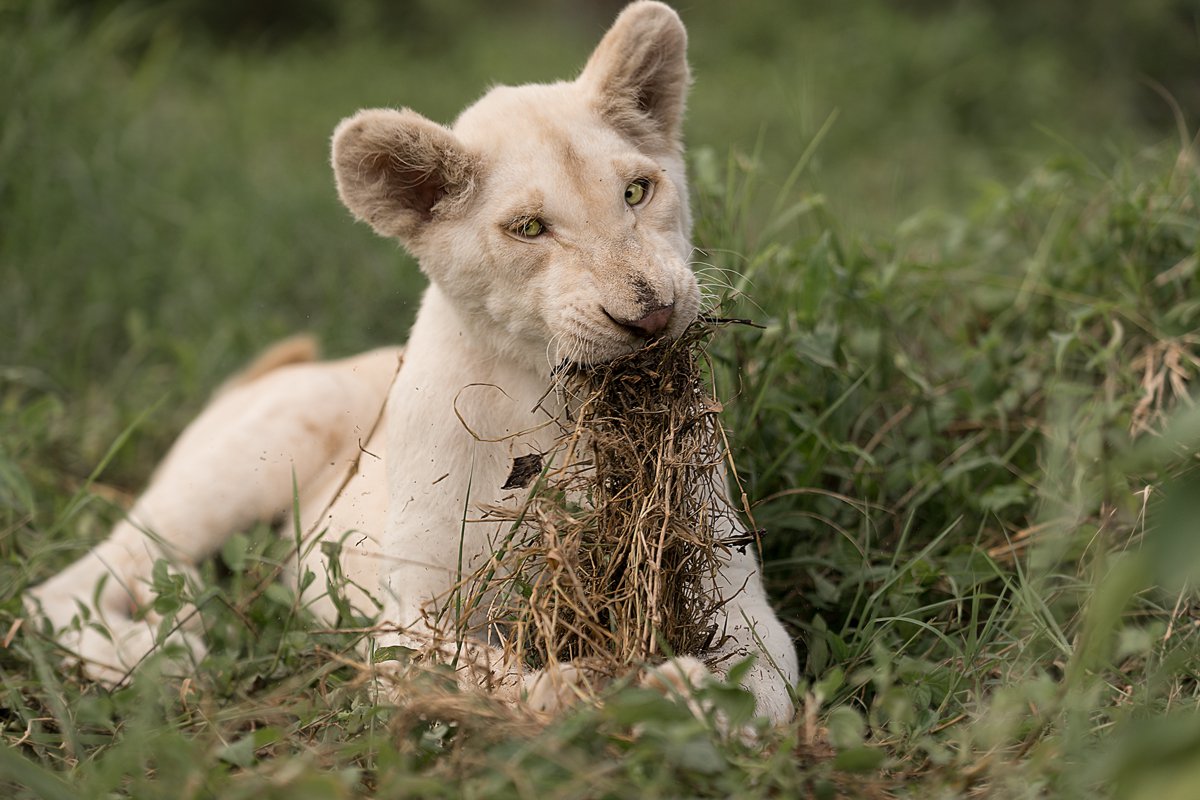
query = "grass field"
x=968 y=424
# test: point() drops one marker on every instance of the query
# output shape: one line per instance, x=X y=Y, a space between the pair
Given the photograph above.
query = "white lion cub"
x=552 y=221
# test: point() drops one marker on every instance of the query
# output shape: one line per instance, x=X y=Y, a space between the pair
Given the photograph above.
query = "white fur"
x=499 y=314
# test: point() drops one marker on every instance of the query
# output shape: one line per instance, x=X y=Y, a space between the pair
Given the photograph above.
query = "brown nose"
x=650 y=325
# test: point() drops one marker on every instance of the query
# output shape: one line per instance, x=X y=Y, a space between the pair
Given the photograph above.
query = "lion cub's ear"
x=397 y=171
x=639 y=75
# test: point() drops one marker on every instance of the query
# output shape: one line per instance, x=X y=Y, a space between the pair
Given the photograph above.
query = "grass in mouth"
x=611 y=560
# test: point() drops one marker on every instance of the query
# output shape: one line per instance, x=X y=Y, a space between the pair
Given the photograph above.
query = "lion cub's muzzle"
x=649 y=326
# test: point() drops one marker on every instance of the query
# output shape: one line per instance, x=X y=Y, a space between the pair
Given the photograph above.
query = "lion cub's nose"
x=652 y=324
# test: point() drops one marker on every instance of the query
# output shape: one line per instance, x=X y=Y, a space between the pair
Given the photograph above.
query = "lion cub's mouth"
x=618 y=338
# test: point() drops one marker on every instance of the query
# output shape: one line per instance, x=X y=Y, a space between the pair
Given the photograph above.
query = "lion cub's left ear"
x=398 y=171
x=639 y=75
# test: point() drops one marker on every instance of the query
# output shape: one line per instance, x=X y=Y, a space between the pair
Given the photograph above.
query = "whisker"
x=553 y=349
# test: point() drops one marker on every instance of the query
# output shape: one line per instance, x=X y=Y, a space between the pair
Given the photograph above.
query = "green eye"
x=636 y=192
x=530 y=228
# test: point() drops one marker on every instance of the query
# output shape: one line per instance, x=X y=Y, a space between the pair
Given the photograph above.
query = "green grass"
x=967 y=425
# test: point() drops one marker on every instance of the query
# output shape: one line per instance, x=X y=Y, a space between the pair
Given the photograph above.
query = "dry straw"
x=610 y=561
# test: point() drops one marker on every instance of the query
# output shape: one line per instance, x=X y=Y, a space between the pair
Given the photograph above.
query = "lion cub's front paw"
x=101 y=612
x=111 y=655
x=682 y=679
x=679 y=678
x=560 y=686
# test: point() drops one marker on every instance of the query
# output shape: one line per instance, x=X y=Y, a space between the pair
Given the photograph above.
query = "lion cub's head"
x=554 y=216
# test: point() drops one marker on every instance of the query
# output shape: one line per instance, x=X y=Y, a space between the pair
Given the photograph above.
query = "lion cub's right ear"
x=398 y=171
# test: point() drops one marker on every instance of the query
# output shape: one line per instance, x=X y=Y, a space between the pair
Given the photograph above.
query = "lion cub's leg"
x=232 y=467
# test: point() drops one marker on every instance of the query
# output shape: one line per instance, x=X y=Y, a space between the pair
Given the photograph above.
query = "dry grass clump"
x=610 y=562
